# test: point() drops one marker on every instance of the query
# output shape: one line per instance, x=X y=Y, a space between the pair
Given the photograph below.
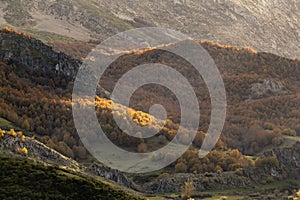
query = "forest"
x=39 y=101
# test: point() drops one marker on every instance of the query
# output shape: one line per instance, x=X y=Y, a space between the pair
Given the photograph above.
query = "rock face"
x=36 y=150
x=21 y=49
x=267 y=88
x=16 y=47
x=268 y=25
x=174 y=183
x=111 y=174
x=289 y=159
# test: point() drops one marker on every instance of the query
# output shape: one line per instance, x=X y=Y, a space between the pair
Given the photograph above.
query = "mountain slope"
x=253 y=123
x=21 y=178
x=270 y=26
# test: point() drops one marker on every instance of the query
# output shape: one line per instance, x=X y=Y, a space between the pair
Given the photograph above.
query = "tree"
x=2 y=133
x=235 y=154
x=13 y=133
x=24 y=151
x=180 y=167
x=23 y=138
x=79 y=152
x=187 y=189
x=69 y=140
x=142 y=148
x=26 y=125
x=64 y=149
x=267 y=162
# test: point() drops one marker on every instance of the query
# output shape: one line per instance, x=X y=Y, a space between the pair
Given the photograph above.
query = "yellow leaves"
x=24 y=151
x=20 y=133
x=218 y=45
x=298 y=193
x=8 y=29
x=13 y=133
x=103 y=103
x=139 y=117
x=2 y=133
x=23 y=138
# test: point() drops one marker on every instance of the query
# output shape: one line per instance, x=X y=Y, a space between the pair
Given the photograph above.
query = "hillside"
x=263 y=112
x=268 y=26
x=21 y=178
x=240 y=67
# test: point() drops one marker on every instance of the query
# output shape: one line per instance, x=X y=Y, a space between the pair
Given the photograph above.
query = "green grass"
x=7 y=125
x=234 y=194
x=293 y=138
x=21 y=178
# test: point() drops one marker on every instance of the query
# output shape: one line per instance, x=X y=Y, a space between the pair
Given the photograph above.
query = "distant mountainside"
x=267 y=25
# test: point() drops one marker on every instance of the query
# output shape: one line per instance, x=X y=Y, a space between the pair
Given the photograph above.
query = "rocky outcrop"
x=111 y=174
x=210 y=181
x=41 y=152
x=289 y=159
x=267 y=88
x=19 y=48
x=36 y=150
x=213 y=181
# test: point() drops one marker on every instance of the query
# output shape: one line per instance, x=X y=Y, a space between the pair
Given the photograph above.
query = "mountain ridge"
x=269 y=26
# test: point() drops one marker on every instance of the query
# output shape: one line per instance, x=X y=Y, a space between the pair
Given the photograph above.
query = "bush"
x=268 y=162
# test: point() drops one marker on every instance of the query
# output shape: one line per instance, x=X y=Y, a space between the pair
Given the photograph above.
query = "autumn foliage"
x=40 y=101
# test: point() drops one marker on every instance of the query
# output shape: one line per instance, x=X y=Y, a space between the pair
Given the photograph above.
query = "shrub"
x=267 y=162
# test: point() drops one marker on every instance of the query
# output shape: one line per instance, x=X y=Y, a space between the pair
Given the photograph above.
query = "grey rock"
x=36 y=150
x=289 y=159
x=35 y=54
x=111 y=174
x=267 y=88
